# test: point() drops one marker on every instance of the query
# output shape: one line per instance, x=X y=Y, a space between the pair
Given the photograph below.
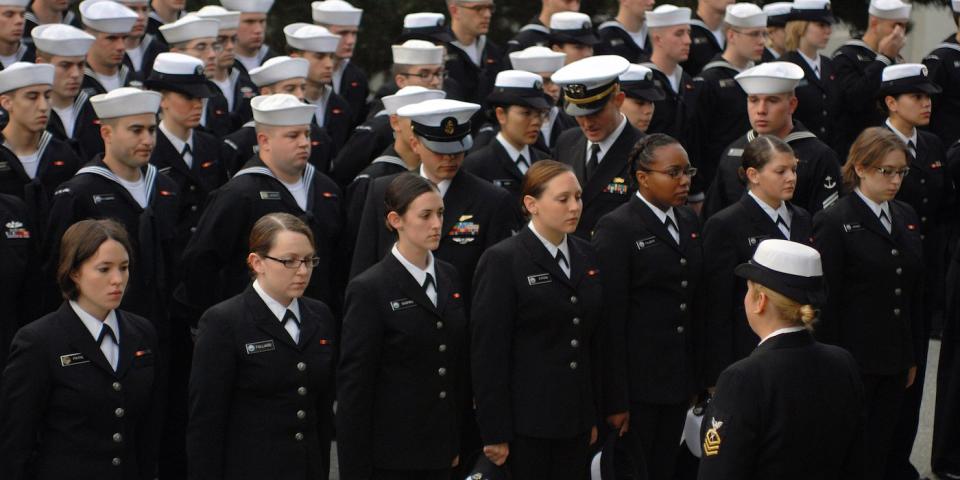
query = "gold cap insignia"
x=449 y=125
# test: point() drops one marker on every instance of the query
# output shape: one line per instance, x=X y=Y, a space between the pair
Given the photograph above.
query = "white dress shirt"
x=552 y=249
x=109 y=347
x=782 y=212
x=608 y=142
x=280 y=311
x=662 y=215
x=420 y=275
x=514 y=153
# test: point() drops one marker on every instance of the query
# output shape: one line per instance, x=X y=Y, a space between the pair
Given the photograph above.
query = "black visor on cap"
x=583 y=36
x=804 y=290
x=824 y=16
x=429 y=34
x=643 y=90
x=527 y=97
x=195 y=85
x=917 y=84
x=778 y=20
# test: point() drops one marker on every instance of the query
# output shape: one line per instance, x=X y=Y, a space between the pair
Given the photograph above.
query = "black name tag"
x=539 y=279
x=646 y=242
x=72 y=359
x=852 y=227
x=269 y=195
x=260 y=347
x=402 y=304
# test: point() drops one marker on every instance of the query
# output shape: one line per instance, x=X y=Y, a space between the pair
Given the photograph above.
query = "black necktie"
x=675 y=233
x=594 y=160
x=427 y=283
x=912 y=147
x=289 y=316
x=186 y=150
x=522 y=164
x=561 y=260
x=782 y=224
x=885 y=221
x=105 y=332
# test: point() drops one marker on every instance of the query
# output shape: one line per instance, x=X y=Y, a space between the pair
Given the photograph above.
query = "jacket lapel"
x=129 y=343
x=505 y=161
x=611 y=164
x=541 y=256
x=308 y=325
x=265 y=319
x=872 y=222
x=82 y=340
x=760 y=219
x=652 y=222
x=168 y=156
x=409 y=286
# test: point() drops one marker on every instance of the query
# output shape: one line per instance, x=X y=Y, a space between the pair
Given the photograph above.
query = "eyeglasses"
x=479 y=8
x=294 y=263
x=756 y=34
x=202 y=47
x=427 y=76
x=676 y=172
x=889 y=172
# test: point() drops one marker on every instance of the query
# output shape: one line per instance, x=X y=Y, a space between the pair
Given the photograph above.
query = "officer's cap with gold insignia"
x=410 y=95
x=190 y=27
x=107 y=16
x=248 y=6
x=125 y=101
x=637 y=83
x=311 y=38
x=778 y=13
x=62 y=40
x=789 y=268
x=772 y=78
x=745 y=15
x=278 y=69
x=180 y=73
x=418 y=52
x=25 y=74
x=229 y=20
x=812 y=11
x=907 y=78
x=668 y=16
x=427 y=26
x=590 y=83
x=890 y=9
x=572 y=27
x=336 y=12
x=281 y=110
x=537 y=59
x=442 y=125
x=516 y=87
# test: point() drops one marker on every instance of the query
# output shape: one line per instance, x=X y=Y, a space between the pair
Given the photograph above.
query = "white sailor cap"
x=278 y=69
x=637 y=82
x=107 y=16
x=15 y=3
x=517 y=87
x=126 y=101
x=442 y=125
x=588 y=83
x=538 y=59
x=812 y=11
x=24 y=74
x=890 y=9
x=770 y=78
x=62 y=40
x=247 y=6
x=281 y=110
x=190 y=27
x=336 y=12
x=423 y=20
x=418 y=52
x=789 y=268
x=229 y=20
x=180 y=73
x=668 y=16
x=409 y=96
x=572 y=27
x=778 y=13
x=956 y=5
x=745 y=15
x=311 y=38
x=133 y=2
x=907 y=78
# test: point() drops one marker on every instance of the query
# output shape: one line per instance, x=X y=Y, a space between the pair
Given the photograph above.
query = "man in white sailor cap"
x=778 y=13
x=110 y=24
x=197 y=36
x=518 y=105
x=670 y=33
x=637 y=84
x=278 y=179
x=43 y=12
x=627 y=34
x=536 y=32
x=597 y=150
x=397 y=157
x=34 y=163
x=572 y=34
x=319 y=46
x=720 y=113
x=944 y=66
x=770 y=105
x=543 y=62
x=415 y=63
x=279 y=75
x=121 y=184
x=474 y=60
x=12 y=47
x=859 y=65
x=251 y=49
x=706 y=34
x=72 y=119
x=349 y=80
x=233 y=81
x=163 y=12
x=142 y=47
x=427 y=26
